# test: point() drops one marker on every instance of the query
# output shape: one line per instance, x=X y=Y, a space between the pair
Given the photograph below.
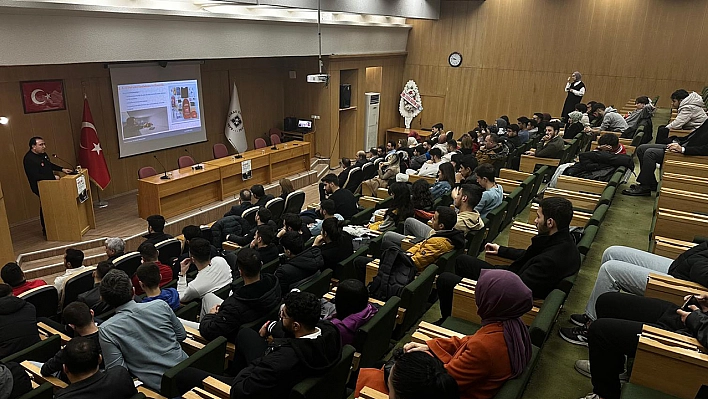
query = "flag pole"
x=101 y=203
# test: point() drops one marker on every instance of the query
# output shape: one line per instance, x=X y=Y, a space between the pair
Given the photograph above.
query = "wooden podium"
x=67 y=214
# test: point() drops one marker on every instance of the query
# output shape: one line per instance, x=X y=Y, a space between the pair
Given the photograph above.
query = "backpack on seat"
x=396 y=270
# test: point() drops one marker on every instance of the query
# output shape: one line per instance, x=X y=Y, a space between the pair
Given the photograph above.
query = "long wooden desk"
x=190 y=189
x=396 y=133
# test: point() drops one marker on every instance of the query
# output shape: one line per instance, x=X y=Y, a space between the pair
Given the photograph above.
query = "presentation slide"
x=154 y=114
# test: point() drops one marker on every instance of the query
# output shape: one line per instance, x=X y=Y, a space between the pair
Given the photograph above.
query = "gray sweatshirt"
x=613 y=121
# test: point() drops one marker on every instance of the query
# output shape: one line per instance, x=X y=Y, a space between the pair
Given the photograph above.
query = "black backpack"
x=396 y=270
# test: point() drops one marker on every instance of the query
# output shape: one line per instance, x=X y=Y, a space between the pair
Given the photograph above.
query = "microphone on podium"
x=196 y=166
x=163 y=177
x=73 y=169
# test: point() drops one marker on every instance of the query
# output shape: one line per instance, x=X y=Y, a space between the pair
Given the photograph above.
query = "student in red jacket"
x=149 y=254
x=13 y=275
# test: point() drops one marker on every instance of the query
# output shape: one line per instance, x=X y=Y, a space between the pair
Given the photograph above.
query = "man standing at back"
x=156 y=227
x=38 y=167
x=142 y=337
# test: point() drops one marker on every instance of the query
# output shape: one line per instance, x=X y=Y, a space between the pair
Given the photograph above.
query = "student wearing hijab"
x=498 y=351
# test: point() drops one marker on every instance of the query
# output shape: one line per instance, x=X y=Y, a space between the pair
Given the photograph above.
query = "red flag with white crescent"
x=91 y=154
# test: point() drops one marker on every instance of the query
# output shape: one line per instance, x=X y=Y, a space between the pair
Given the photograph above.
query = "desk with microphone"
x=163 y=177
x=73 y=169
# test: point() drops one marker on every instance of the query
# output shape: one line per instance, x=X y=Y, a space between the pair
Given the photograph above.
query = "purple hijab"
x=501 y=296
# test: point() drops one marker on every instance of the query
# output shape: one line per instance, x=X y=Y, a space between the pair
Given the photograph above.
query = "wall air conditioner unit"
x=371 y=119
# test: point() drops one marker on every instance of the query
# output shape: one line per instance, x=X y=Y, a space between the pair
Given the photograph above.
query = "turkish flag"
x=91 y=154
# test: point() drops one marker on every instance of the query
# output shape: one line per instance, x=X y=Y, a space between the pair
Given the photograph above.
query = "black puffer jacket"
x=296 y=269
x=245 y=305
x=18 y=325
x=228 y=225
x=692 y=265
x=288 y=361
x=598 y=165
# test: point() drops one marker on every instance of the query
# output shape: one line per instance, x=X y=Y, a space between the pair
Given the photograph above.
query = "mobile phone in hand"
x=690 y=301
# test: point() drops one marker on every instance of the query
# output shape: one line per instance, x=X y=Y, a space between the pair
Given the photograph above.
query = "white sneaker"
x=583 y=367
x=591 y=396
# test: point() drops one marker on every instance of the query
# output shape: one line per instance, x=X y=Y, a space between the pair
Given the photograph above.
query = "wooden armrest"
x=370 y=393
x=149 y=393
x=407 y=243
x=36 y=374
x=313 y=206
x=355 y=361
x=216 y=387
x=511 y=174
x=580 y=185
x=195 y=341
x=671 y=289
x=229 y=246
x=47 y=331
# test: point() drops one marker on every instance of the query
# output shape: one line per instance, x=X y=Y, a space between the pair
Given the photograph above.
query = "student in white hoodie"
x=690 y=116
x=212 y=273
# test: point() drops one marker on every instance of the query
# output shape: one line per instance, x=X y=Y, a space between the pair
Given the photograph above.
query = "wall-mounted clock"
x=455 y=59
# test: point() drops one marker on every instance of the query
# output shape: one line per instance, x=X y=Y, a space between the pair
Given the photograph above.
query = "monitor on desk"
x=304 y=124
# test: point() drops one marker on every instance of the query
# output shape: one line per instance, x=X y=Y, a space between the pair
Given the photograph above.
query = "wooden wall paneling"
x=374 y=76
x=392 y=84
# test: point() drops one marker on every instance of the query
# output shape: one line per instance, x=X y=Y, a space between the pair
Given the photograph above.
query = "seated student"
x=465 y=199
x=361 y=159
x=421 y=199
x=441 y=144
x=259 y=295
x=390 y=147
x=263 y=243
x=244 y=203
x=614 y=336
x=13 y=275
x=18 y=323
x=399 y=209
x=79 y=318
x=627 y=269
x=346 y=165
x=373 y=154
x=612 y=121
x=263 y=217
x=641 y=116
x=293 y=222
x=512 y=136
x=438 y=239
x=649 y=155
x=115 y=248
x=691 y=115
x=551 y=257
x=344 y=200
x=141 y=337
x=429 y=168
x=445 y=181
x=388 y=169
x=149 y=253
x=300 y=263
x=414 y=375
x=73 y=262
x=452 y=149
x=468 y=143
x=149 y=276
x=328 y=210
x=335 y=244
x=493 y=152
x=92 y=297
x=14 y=381
x=258 y=193
x=465 y=175
x=437 y=130
x=277 y=359
x=156 y=227
x=286 y=187
x=82 y=357
x=381 y=151
x=493 y=194
x=352 y=309
x=599 y=164
x=551 y=144
x=213 y=273
x=574 y=125
x=500 y=350
x=418 y=158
